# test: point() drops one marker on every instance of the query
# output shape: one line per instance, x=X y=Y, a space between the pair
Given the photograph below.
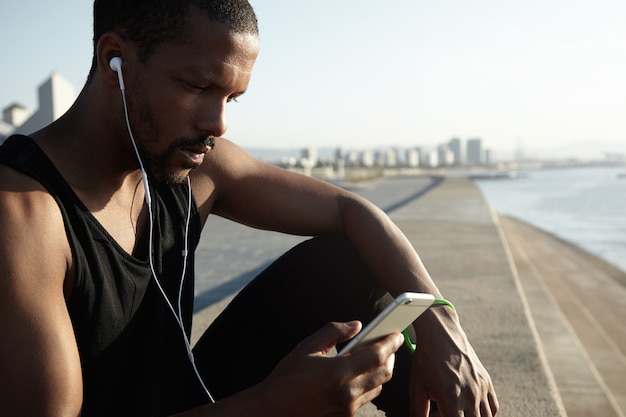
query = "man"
x=95 y=271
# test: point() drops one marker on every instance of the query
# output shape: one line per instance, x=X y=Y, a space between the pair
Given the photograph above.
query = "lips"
x=198 y=149
x=195 y=154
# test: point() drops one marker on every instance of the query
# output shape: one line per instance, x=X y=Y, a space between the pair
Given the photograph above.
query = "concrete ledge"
x=577 y=306
x=456 y=234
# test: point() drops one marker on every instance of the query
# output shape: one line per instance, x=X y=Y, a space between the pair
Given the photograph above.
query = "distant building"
x=16 y=114
x=352 y=159
x=431 y=159
x=5 y=130
x=412 y=158
x=455 y=147
x=339 y=154
x=488 y=160
x=55 y=95
x=368 y=158
x=309 y=157
x=475 y=151
x=390 y=157
x=445 y=156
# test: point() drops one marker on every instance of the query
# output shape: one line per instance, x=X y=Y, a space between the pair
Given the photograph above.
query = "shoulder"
x=37 y=340
x=33 y=232
x=224 y=168
x=228 y=160
x=24 y=198
x=244 y=189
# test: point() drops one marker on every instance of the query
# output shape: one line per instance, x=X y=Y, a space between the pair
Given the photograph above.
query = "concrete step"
x=578 y=306
x=459 y=239
x=457 y=236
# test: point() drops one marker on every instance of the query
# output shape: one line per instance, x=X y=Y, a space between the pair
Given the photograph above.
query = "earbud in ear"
x=116 y=65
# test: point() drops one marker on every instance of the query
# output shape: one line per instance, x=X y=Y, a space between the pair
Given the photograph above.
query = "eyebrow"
x=209 y=78
x=205 y=77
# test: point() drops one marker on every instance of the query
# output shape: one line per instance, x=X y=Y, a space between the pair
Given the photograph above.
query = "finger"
x=454 y=409
x=368 y=396
x=420 y=400
x=328 y=336
x=388 y=345
x=420 y=405
x=358 y=401
x=485 y=410
x=493 y=402
x=374 y=354
x=369 y=385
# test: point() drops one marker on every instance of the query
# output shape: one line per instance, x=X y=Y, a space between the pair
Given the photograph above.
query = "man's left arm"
x=267 y=197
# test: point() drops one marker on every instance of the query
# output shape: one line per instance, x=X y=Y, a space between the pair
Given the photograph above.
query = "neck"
x=90 y=144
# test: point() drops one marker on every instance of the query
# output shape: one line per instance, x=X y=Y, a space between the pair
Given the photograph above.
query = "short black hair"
x=148 y=23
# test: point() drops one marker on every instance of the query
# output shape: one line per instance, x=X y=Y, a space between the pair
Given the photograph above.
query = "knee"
x=334 y=250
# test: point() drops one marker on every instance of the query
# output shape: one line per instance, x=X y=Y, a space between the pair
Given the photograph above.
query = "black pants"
x=319 y=281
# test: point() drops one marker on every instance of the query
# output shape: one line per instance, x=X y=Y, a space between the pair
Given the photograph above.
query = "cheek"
x=146 y=124
x=176 y=113
x=166 y=118
x=169 y=112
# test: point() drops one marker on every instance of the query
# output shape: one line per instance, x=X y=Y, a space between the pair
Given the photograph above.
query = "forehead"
x=209 y=44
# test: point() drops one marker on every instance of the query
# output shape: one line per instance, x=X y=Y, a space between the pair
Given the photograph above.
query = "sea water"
x=584 y=205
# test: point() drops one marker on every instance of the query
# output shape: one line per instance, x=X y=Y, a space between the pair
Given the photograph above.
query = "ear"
x=111 y=45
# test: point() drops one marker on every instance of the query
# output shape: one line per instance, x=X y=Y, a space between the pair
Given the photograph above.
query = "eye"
x=232 y=98
x=196 y=88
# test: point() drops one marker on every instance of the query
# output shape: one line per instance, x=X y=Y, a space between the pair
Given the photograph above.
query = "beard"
x=159 y=165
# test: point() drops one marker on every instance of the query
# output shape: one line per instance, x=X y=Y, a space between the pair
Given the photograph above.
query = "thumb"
x=420 y=401
x=328 y=336
x=420 y=406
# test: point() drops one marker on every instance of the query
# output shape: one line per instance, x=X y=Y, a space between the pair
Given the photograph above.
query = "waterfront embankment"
x=474 y=256
x=577 y=305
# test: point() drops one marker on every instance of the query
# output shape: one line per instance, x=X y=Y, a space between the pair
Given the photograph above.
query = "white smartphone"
x=396 y=317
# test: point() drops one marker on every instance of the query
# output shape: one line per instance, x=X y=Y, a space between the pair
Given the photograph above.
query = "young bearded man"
x=96 y=256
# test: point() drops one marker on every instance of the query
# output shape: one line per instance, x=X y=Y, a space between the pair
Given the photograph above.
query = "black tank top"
x=132 y=351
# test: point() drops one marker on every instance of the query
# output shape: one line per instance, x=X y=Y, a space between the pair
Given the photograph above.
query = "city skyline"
x=52 y=103
x=540 y=76
x=56 y=95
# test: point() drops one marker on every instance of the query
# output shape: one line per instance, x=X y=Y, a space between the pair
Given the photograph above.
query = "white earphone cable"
x=178 y=316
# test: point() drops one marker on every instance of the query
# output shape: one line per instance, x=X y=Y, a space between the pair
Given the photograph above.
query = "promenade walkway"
x=578 y=306
x=478 y=262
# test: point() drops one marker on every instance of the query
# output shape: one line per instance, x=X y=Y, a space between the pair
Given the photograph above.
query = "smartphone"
x=396 y=317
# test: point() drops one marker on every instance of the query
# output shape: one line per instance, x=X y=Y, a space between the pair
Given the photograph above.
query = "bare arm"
x=40 y=369
x=267 y=197
x=308 y=383
x=39 y=364
x=260 y=195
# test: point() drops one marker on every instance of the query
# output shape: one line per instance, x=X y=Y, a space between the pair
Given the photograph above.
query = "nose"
x=212 y=119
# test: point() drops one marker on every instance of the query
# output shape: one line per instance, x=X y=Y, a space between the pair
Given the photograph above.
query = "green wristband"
x=407 y=339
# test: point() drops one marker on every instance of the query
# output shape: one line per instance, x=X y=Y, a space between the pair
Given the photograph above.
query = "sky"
x=541 y=76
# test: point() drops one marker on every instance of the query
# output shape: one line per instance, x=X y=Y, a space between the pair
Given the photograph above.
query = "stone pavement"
x=578 y=306
x=458 y=238
x=464 y=247
x=229 y=254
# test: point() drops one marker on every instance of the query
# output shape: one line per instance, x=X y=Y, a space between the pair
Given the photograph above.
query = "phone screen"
x=396 y=317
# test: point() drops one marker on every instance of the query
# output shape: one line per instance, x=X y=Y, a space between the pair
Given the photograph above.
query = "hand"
x=309 y=383
x=447 y=370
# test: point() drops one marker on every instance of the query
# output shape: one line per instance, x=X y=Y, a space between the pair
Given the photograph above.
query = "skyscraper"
x=475 y=151
x=455 y=146
x=56 y=95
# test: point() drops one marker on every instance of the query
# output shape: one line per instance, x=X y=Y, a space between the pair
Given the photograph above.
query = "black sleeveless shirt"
x=133 y=356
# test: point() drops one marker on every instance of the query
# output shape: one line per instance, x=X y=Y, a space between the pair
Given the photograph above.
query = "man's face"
x=179 y=98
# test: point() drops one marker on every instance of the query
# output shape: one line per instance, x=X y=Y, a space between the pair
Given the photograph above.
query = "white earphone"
x=116 y=65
